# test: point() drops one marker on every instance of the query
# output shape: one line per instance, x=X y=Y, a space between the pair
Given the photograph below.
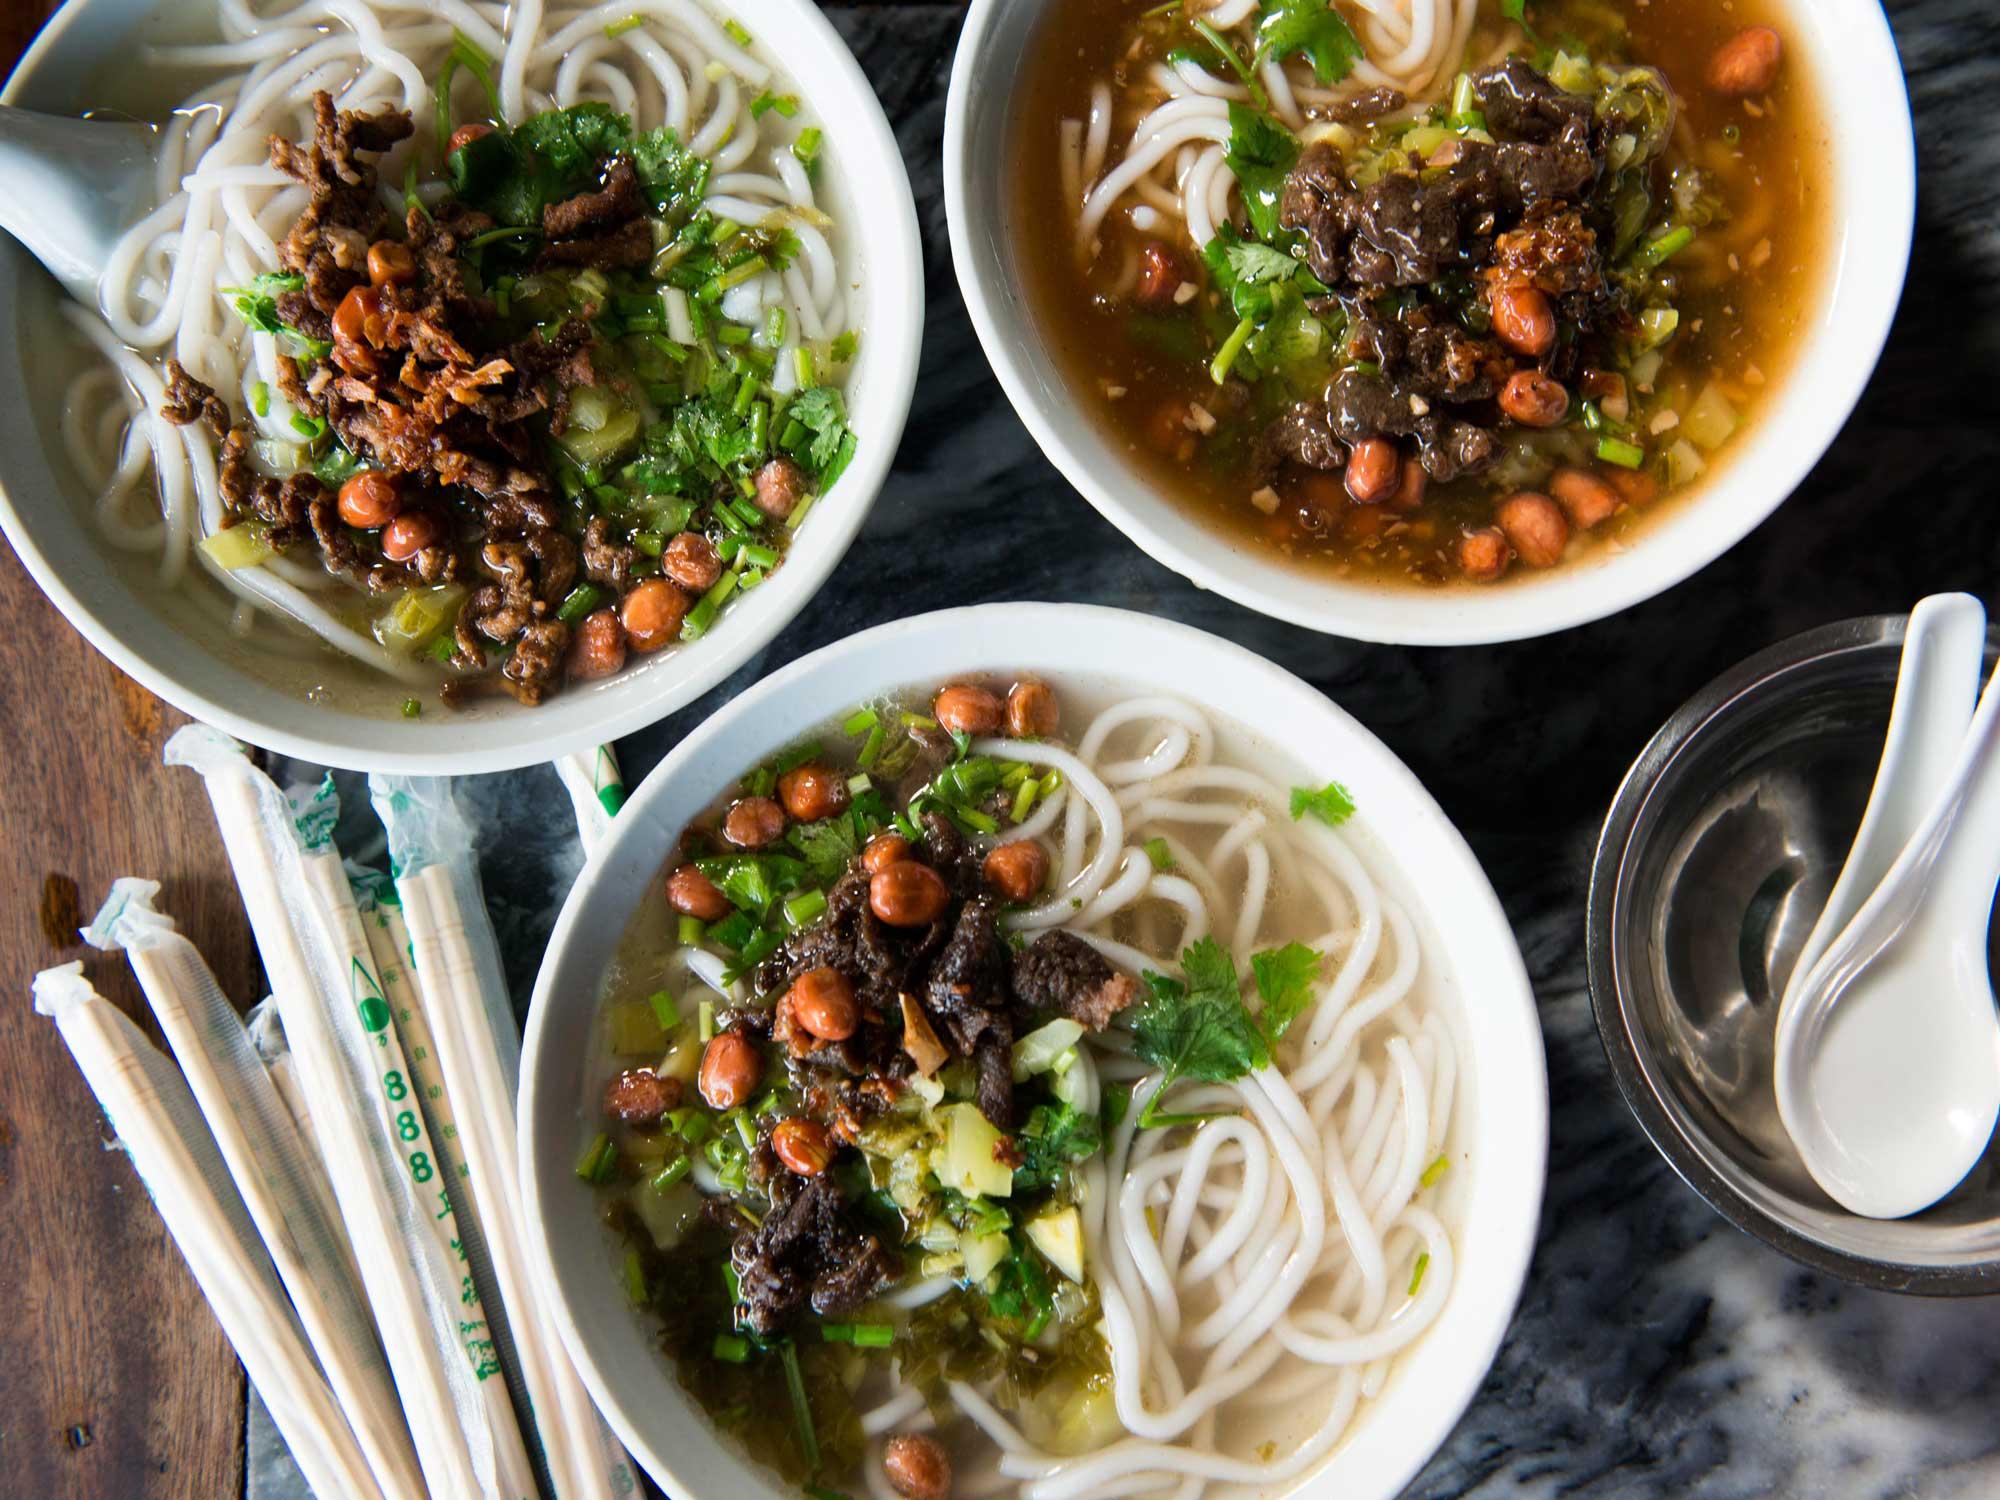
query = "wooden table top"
x=116 y=1381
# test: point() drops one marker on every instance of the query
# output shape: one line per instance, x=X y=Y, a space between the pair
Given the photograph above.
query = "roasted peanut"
x=1534 y=399
x=1746 y=64
x=812 y=792
x=884 y=850
x=1374 y=470
x=966 y=709
x=597 y=649
x=1535 y=527
x=1587 y=498
x=1016 y=870
x=1032 y=710
x=907 y=894
x=781 y=484
x=753 y=822
x=730 y=1069
x=390 y=263
x=652 y=614
x=822 y=1001
x=691 y=560
x=803 y=1146
x=1523 y=320
x=369 y=499
x=1483 y=554
x=693 y=894
x=917 y=1467
x=410 y=533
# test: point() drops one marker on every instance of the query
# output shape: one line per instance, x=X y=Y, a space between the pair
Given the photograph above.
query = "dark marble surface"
x=1656 y=1351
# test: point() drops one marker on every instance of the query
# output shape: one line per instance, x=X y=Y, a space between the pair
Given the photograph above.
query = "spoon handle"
x=1963 y=829
x=69 y=188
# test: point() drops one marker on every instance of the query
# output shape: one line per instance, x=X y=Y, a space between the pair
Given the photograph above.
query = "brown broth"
x=1749 y=288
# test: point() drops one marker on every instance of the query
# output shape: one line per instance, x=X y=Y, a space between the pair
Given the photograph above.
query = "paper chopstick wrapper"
x=160 y=1127
x=315 y=812
x=267 y=1035
x=280 y=1180
x=457 y=962
x=596 y=791
x=412 y=1285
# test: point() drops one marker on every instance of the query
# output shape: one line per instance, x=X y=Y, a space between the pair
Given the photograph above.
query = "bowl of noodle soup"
x=323 y=641
x=1296 y=1290
x=1249 y=273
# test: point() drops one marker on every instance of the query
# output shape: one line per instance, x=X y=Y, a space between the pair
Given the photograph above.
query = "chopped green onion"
x=1617 y=451
x=412 y=708
x=1159 y=854
x=1657 y=252
x=695 y=1128
x=618 y=28
x=799 y=514
x=841 y=350
x=802 y=362
x=702 y=616
x=871 y=748
x=801 y=1407
x=1231 y=347
x=759 y=556
x=860 y=722
x=635 y=1278
x=672 y=1173
x=730 y=1349
x=307 y=427
x=706 y=1019
x=599 y=1160
x=582 y=600
x=260 y=399
x=666 y=1009
x=746 y=1129
x=774 y=327
x=736 y=33
x=872 y=1335
x=805 y=907
x=806 y=147
x=858 y=783
x=1024 y=800
x=1417 y=1274
x=1433 y=1172
x=691 y=931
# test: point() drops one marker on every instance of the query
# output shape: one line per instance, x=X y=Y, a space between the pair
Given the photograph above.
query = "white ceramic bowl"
x=1469 y=953
x=1848 y=51
x=188 y=660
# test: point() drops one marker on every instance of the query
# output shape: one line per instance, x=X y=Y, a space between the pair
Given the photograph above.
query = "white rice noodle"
x=223 y=212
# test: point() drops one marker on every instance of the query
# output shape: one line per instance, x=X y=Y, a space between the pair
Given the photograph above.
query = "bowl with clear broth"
x=513 y=399
x=922 y=982
x=1420 y=321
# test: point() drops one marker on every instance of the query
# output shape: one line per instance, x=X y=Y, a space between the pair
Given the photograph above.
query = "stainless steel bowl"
x=1718 y=853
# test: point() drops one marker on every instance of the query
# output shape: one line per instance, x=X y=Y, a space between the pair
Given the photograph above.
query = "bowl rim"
x=1732 y=506
x=890 y=254
x=1604 y=942
x=1509 y=1219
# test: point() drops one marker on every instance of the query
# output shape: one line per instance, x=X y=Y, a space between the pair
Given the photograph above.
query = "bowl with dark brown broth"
x=979 y=1064
x=471 y=389
x=1431 y=320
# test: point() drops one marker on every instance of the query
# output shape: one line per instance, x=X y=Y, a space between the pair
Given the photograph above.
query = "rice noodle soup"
x=884 y=1145
x=1420 y=291
x=471 y=349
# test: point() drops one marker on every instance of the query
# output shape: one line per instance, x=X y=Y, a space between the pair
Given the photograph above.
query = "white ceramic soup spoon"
x=1888 y=1060
x=69 y=189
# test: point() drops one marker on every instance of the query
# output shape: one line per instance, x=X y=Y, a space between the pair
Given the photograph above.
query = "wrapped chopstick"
x=331 y=899
x=267 y=1035
x=457 y=964
x=596 y=791
x=279 y=1178
x=160 y=1126
x=411 y=1283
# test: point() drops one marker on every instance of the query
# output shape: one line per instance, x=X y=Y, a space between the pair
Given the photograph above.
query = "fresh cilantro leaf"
x=1261 y=152
x=828 y=846
x=514 y=174
x=1289 y=28
x=1256 y=264
x=674 y=176
x=1514 y=10
x=1285 y=978
x=822 y=413
x=752 y=882
x=1195 y=1028
x=1331 y=804
x=1050 y=1140
x=333 y=467
x=569 y=143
